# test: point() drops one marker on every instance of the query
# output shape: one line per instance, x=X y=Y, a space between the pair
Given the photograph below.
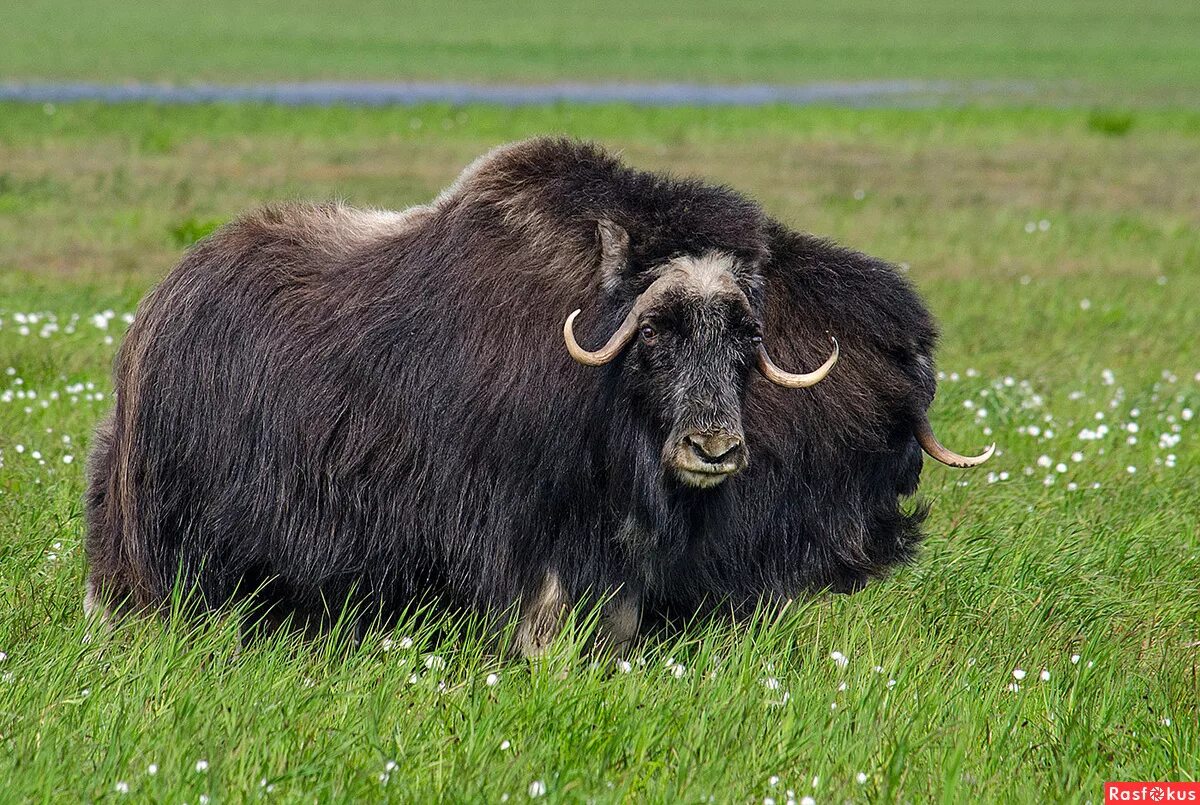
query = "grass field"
x=1060 y=251
x=1104 y=50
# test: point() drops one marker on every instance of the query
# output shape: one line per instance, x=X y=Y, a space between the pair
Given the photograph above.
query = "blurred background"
x=893 y=126
x=1089 y=50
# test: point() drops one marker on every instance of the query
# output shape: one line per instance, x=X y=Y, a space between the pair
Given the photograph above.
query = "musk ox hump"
x=552 y=192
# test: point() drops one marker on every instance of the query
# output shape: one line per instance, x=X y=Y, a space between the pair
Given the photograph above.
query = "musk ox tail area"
x=107 y=582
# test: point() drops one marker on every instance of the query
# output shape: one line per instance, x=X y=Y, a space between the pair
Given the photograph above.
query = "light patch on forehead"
x=709 y=275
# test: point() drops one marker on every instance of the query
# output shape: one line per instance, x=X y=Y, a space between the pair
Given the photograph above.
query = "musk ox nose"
x=715 y=448
x=706 y=459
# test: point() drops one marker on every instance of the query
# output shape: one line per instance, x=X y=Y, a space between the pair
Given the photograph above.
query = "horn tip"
x=975 y=461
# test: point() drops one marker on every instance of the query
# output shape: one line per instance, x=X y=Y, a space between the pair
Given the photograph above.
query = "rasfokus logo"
x=1151 y=792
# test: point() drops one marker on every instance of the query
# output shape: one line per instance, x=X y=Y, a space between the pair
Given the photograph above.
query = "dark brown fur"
x=332 y=406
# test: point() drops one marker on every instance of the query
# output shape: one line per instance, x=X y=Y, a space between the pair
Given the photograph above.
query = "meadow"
x=1045 y=641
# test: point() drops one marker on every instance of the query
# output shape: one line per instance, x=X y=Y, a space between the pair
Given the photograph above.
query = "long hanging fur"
x=329 y=405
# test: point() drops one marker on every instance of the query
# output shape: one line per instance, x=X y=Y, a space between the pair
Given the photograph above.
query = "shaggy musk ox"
x=326 y=406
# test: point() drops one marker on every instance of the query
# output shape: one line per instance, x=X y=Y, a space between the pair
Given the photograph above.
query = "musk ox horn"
x=934 y=448
x=606 y=353
x=795 y=381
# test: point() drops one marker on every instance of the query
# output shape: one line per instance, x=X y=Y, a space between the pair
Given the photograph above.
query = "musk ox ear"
x=614 y=253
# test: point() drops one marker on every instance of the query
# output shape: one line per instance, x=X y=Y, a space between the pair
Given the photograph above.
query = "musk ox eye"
x=649 y=333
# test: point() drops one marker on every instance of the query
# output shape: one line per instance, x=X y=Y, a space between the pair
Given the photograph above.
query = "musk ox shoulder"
x=562 y=381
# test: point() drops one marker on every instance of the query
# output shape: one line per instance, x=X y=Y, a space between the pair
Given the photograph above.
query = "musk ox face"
x=688 y=345
x=688 y=365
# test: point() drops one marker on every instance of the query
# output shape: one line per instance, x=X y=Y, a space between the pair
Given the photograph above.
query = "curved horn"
x=794 y=381
x=934 y=448
x=606 y=353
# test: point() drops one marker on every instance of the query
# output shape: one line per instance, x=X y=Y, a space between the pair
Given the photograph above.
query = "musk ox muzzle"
x=706 y=459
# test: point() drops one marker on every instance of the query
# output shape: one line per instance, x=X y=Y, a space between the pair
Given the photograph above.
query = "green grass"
x=1095 y=46
x=1019 y=572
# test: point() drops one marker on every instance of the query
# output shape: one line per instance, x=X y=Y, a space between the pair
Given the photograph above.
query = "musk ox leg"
x=620 y=621
x=542 y=617
x=96 y=612
x=94 y=607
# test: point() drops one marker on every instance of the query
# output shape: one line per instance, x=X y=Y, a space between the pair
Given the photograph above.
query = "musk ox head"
x=689 y=343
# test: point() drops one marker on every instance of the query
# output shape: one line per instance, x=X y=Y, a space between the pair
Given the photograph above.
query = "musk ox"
x=328 y=407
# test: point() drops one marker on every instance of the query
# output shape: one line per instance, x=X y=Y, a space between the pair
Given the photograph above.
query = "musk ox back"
x=327 y=407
